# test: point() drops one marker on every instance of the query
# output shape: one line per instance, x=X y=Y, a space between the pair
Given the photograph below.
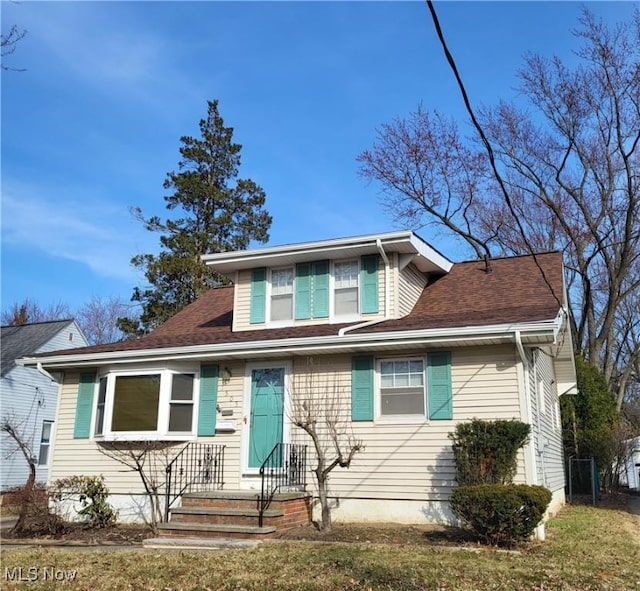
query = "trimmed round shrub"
x=500 y=514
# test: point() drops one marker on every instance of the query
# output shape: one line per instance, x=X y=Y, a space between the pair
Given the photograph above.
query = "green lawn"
x=587 y=548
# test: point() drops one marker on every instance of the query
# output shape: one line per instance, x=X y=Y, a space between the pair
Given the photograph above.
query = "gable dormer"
x=346 y=280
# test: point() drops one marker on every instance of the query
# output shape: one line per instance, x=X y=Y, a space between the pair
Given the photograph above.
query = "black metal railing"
x=284 y=468
x=198 y=467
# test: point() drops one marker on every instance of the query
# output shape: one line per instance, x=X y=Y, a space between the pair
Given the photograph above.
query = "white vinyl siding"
x=548 y=439
x=414 y=461
x=411 y=284
x=401 y=460
x=71 y=456
x=31 y=398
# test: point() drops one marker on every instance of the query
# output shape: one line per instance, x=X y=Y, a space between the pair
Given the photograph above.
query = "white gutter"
x=387 y=264
x=301 y=345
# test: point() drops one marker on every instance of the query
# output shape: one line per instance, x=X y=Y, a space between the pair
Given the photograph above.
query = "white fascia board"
x=407 y=241
x=534 y=331
x=429 y=255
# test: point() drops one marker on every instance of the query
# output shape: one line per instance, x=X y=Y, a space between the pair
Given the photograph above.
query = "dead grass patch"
x=587 y=549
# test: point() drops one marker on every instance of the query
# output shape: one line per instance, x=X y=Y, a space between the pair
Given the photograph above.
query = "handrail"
x=198 y=466
x=284 y=467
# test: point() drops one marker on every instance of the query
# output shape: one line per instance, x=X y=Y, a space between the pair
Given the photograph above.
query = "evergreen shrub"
x=92 y=493
x=486 y=452
x=500 y=514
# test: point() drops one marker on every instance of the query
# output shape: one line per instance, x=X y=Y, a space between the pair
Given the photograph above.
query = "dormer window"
x=281 y=294
x=345 y=291
x=337 y=291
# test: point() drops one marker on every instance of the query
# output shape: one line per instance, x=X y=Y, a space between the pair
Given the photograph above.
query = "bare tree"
x=8 y=43
x=569 y=163
x=150 y=460
x=11 y=426
x=319 y=408
x=29 y=311
x=98 y=319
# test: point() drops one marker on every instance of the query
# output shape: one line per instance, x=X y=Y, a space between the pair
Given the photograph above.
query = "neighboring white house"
x=412 y=343
x=631 y=473
x=28 y=397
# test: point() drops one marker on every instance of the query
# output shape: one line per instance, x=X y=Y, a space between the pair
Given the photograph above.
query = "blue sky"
x=92 y=125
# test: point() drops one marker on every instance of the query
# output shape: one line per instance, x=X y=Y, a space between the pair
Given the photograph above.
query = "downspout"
x=527 y=387
x=44 y=372
x=387 y=266
x=541 y=446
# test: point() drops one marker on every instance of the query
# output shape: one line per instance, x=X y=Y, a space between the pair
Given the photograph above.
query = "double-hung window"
x=402 y=387
x=181 y=404
x=45 y=443
x=281 y=295
x=345 y=288
x=102 y=397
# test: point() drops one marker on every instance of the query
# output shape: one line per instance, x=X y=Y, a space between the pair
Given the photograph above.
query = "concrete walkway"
x=633 y=504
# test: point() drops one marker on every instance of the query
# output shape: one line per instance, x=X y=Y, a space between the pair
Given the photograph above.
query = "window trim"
x=288 y=321
x=332 y=283
x=162 y=432
x=45 y=443
x=400 y=418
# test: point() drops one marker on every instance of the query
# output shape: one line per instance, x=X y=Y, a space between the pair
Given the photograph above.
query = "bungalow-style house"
x=410 y=342
x=29 y=396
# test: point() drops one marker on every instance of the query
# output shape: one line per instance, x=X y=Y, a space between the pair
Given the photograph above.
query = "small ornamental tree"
x=319 y=409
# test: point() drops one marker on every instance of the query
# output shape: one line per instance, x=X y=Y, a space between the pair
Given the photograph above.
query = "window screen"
x=402 y=387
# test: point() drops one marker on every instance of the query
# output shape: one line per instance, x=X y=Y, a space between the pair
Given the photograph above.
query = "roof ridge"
x=39 y=322
x=511 y=256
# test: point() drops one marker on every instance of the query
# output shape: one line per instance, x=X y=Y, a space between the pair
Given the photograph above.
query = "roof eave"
x=540 y=332
x=427 y=258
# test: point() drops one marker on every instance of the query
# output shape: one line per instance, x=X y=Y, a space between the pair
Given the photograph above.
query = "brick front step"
x=234 y=514
x=204 y=530
x=224 y=516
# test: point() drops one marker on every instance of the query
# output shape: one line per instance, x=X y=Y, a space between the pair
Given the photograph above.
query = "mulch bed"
x=78 y=533
x=375 y=533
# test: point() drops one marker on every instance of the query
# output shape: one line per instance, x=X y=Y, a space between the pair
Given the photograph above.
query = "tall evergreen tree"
x=217 y=212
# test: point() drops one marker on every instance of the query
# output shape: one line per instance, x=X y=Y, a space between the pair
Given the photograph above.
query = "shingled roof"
x=26 y=339
x=519 y=289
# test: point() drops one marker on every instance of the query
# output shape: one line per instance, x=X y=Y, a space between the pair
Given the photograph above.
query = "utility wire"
x=488 y=147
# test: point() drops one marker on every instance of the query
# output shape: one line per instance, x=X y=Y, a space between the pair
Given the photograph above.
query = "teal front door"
x=267 y=403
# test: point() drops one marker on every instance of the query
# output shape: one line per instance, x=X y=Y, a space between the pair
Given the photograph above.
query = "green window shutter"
x=303 y=291
x=320 y=289
x=258 y=295
x=439 y=385
x=362 y=388
x=369 y=284
x=207 y=406
x=84 y=405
